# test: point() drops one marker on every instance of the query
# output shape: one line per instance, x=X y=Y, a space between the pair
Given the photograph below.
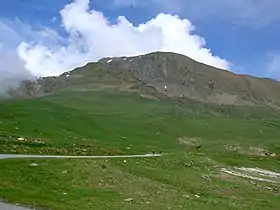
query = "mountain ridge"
x=190 y=78
x=165 y=73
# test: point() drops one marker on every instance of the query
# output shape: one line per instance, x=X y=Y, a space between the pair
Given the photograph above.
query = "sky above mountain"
x=45 y=38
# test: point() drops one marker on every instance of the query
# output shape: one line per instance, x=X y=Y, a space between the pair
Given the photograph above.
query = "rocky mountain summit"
x=162 y=74
x=177 y=75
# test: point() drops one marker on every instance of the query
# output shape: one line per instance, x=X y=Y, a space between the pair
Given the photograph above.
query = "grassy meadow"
x=109 y=122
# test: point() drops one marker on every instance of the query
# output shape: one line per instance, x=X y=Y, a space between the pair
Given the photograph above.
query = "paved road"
x=5 y=206
x=15 y=156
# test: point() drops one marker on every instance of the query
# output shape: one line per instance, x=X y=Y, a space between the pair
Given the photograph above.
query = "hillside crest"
x=170 y=74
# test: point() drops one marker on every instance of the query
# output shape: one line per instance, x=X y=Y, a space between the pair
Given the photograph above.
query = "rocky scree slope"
x=177 y=75
x=161 y=74
x=89 y=77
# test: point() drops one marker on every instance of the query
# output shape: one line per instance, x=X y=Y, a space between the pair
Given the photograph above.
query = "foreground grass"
x=163 y=183
x=124 y=123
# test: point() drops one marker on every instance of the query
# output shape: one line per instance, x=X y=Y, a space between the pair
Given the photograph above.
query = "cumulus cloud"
x=12 y=66
x=12 y=69
x=91 y=36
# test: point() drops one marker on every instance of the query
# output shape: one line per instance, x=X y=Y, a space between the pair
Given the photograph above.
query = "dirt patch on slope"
x=189 y=141
x=256 y=174
x=252 y=150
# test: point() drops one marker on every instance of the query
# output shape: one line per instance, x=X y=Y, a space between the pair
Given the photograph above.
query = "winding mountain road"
x=6 y=206
x=17 y=156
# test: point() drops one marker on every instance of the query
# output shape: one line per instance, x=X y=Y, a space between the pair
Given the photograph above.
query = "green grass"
x=111 y=122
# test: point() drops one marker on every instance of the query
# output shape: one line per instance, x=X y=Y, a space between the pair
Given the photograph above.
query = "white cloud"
x=91 y=36
x=12 y=69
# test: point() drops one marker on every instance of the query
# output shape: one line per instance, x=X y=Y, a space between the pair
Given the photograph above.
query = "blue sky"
x=47 y=38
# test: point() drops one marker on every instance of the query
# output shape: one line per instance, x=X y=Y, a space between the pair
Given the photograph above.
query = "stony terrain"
x=177 y=75
x=162 y=74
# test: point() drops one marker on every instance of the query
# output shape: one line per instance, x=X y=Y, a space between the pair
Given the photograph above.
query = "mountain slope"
x=110 y=122
x=162 y=75
x=88 y=77
x=177 y=75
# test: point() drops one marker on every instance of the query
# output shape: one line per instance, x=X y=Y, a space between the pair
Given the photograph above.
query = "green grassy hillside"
x=108 y=122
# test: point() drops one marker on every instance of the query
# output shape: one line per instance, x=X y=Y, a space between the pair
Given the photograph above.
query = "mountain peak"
x=177 y=75
x=170 y=74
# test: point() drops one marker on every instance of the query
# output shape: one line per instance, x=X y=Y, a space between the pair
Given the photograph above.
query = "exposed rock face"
x=177 y=75
x=163 y=74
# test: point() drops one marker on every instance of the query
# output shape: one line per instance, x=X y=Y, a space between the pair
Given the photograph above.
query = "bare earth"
x=254 y=174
